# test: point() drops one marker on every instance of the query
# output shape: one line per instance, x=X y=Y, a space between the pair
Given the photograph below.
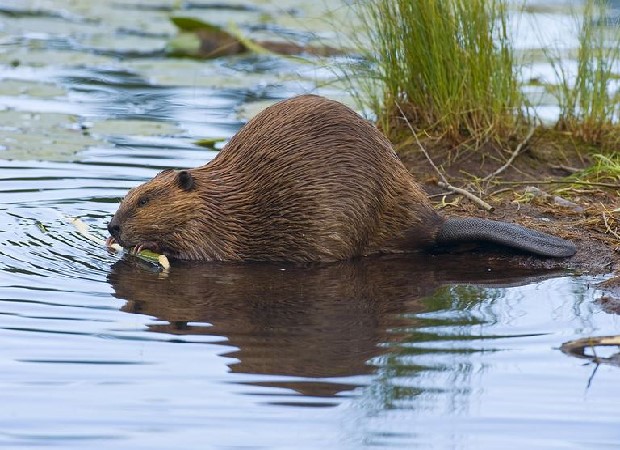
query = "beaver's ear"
x=185 y=180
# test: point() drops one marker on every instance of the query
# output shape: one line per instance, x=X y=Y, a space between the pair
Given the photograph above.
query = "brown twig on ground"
x=444 y=182
x=583 y=183
x=424 y=152
x=514 y=155
x=467 y=194
x=568 y=169
x=608 y=226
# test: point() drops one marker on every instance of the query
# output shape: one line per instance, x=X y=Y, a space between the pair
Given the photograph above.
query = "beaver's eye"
x=143 y=201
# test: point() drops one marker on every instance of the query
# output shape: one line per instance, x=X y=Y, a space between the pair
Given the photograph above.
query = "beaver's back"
x=309 y=175
x=309 y=131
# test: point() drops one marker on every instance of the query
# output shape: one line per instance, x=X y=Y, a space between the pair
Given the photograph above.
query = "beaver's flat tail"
x=456 y=230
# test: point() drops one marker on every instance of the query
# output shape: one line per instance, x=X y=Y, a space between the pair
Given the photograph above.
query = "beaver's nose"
x=114 y=227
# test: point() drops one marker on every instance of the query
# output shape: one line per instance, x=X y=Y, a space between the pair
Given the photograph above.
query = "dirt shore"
x=533 y=191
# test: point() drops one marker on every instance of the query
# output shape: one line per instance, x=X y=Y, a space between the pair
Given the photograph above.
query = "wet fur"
x=306 y=180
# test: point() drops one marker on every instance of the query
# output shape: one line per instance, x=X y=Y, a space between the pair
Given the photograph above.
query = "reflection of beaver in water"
x=319 y=322
x=306 y=180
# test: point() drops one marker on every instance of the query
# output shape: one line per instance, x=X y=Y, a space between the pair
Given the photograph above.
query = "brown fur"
x=306 y=180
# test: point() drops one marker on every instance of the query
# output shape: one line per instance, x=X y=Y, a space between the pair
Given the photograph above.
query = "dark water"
x=102 y=351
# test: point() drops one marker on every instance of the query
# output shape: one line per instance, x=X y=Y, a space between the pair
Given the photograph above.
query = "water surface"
x=100 y=350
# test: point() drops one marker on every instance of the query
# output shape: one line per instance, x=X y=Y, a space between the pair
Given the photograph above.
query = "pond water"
x=102 y=350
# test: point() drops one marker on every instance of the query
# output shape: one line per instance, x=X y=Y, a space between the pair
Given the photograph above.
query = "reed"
x=447 y=64
x=589 y=107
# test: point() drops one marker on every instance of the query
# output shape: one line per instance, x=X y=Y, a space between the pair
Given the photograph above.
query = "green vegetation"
x=448 y=64
x=604 y=169
x=588 y=108
x=448 y=67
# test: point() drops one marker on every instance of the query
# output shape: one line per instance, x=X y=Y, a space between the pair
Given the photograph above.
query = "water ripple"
x=433 y=351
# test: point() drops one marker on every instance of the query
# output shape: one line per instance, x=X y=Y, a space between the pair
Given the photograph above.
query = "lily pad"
x=190 y=24
x=184 y=44
x=47 y=57
x=210 y=142
x=204 y=44
x=249 y=110
x=201 y=39
x=30 y=88
x=115 y=127
x=41 y=136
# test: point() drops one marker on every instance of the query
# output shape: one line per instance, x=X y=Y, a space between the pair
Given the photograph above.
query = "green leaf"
x=185 y=44
x=189 y=24
x=209 y=142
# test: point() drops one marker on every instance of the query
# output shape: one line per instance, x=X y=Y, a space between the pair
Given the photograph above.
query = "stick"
x=584 y=183
x=608 y=227
x=514 y=155
x=85 y=231
x=415 y=135
x=467 y=194
x=444 y=182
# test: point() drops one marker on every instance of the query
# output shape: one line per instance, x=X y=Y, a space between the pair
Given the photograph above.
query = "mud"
x=534 y=191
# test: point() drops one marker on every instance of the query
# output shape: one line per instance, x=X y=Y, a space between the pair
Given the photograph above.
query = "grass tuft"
x=448 y=64
x=604 y=169
x=589 y=108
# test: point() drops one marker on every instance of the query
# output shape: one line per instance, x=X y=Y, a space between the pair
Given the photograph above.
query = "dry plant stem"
x=514 y=155
x=469 y=195
x=608 y=227
x=577 y=346
x=426 y=155
x=444 y=182
x=568 y=169
x=83 y=229
x=583 y=183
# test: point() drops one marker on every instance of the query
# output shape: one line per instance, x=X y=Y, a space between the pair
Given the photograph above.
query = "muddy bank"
x=533 y=191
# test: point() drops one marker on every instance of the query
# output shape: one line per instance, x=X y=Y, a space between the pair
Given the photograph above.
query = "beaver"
x=305 y=180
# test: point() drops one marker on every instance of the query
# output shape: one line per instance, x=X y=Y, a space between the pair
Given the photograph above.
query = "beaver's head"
x=153 y=215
